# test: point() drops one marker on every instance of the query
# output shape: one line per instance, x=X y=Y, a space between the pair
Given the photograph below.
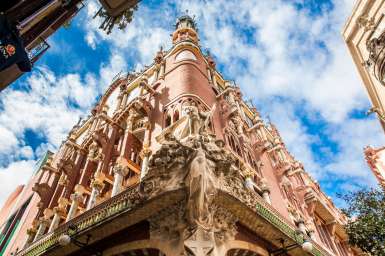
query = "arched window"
x=168 y=120
x=185 y=55
x=231 y=142
x=176 y=116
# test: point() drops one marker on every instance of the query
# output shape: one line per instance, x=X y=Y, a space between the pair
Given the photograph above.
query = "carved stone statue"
x=201 y=191
x=192 y=123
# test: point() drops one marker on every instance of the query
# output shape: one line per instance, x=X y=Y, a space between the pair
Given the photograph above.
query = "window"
x=185 y=55
x=324 y=234
x=176 y=116
x=168 y=121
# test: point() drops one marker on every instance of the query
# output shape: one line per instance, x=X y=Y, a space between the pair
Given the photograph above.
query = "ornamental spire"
x=185 y=30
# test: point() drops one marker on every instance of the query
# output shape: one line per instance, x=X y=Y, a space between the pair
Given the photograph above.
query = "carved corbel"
x=310 y=200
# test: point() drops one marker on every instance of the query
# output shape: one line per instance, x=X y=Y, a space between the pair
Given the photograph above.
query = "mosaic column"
x=146 y=152
x=31 y=233
x=119 y=173
x=59 y=213
x=43 y=223
x=266 y=194
x=301 y=226
x=76 y=198
x=97 y=186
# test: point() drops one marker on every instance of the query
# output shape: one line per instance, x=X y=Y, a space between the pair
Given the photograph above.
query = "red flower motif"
x=10 y=49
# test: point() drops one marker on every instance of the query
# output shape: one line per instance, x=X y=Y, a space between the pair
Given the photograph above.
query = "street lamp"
x=66 y=239
x=306 y=245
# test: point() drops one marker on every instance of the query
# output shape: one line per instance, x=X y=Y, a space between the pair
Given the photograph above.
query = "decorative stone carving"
x=224 y=225
x=365 y=22
x=94 y=153
x=376 y=60
x=120 y=172
x=168 y=224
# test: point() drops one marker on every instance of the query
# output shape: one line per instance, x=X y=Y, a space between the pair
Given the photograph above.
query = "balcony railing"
x=99 y=213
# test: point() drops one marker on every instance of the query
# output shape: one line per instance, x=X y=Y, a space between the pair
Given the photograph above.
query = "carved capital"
x=97 y=184
x=120 y=169
x=76 y=197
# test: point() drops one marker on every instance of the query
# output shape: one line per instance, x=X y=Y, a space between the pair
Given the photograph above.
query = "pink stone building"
x=172 y=161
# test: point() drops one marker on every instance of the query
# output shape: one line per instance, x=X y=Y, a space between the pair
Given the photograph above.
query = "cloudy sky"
x=287 y=56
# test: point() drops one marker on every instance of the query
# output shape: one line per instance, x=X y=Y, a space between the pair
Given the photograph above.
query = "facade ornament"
x=76 y=198
x=44 y=221
x=97 y=185
x=168 y=224
x=376 y=59
x=59 y=212
x=94 y=152
x=366 y=22
x=120 y=172
x=191 y=125
x=159 y=56
x=145 y=154
x=132 y=116
x=265 y=190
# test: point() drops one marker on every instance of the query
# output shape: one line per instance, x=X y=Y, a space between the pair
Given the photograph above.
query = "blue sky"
x=287 y=56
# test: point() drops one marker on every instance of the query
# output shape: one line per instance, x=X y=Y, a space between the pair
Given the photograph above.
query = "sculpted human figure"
x=193 y=122
x=201 y=189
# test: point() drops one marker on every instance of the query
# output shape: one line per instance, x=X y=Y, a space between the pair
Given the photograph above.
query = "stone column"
x=55 y=220
x=249 y=183
x=301 y=226
x=97 y=186
x=119 y=101
x=31 y=233
x=161 y=70
x=76 y=198
x=266 y=194
x=124 y=100
x=143 y=84
x=156 y=72
x=214 y=79
x=59 y=212
x=146 y=152
x=209 y=75
x=43 y=223
x=312 y=235
x=119 y=173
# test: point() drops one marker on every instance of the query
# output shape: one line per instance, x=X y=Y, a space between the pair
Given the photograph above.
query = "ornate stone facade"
x=364 y=34
x=172 y=161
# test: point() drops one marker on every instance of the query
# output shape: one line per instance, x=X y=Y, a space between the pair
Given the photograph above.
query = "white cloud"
x=20 y=171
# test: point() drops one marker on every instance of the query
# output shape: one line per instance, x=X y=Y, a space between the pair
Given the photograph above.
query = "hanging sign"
x=12 y=50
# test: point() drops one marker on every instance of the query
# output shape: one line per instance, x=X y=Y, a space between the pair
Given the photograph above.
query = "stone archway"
x=136 y=248
x=142 y=252
x=243 y=248
x=241 y=252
